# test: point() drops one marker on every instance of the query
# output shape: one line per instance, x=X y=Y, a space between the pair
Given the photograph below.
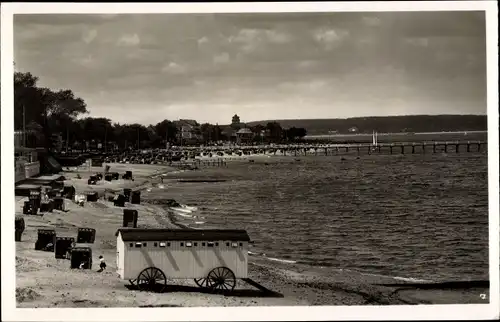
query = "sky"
x=148 y=67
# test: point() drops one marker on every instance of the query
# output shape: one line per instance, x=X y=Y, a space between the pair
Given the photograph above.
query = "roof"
x=140 y=234
x=187 y=122
x=244 y=130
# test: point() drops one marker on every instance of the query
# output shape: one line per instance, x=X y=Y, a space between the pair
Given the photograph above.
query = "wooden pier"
x=361 y=148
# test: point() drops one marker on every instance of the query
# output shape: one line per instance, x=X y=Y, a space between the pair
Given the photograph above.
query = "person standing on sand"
x=103 y=264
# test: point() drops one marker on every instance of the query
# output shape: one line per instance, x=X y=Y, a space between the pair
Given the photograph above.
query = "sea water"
x=410 y=216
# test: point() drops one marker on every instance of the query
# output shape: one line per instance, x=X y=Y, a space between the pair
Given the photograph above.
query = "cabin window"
x=131 y=244
x=216 y=244
x=138 y=245
x=168 y=244
x=188 y=244
x=163 y=244
x=210 y=244
x=234 y=244
x=203 y=244
x=156 y=244
x=144 y=244
x=195 y=244
x=182 y=244
x=227 y=244
x=241 y=244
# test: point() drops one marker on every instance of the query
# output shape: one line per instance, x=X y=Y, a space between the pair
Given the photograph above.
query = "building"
x=188 y=130
x=244 y=135
x=181 y=253
x=26 y=163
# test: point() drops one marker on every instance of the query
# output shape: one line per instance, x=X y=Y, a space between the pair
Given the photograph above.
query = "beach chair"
x=69 y=192
x=127 y=192
x=62 y=247
x=136 y=197
x=35 y=198
x=19 y=228
x=130 y=217
x=119 y=200
x=59 y=204
x=81 y=257
x=127 y=175
x=47 y=206
x=92 y=180
x=45 y=241
x=92 y=196
x=27 y=208
x=86 y=235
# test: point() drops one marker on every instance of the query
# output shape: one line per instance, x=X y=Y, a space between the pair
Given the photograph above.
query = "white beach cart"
x=214 y=258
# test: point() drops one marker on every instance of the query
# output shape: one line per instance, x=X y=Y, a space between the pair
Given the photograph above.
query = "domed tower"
x=235 y=120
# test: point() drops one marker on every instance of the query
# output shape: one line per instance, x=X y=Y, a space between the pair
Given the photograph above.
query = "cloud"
x=89 y=36
x=258 y=65
x=252 y=39
x=371 y=21
x=84 y=61
x=202 y=40
x=129 y=40
x=277 y=37
x=417 y=41
x=173 y=68
x=329 y=38
x=221 y=58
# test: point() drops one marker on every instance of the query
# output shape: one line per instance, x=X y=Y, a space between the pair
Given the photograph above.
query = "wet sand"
x=43 y=281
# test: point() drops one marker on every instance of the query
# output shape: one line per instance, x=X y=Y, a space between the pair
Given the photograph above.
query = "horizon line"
x=288 y=119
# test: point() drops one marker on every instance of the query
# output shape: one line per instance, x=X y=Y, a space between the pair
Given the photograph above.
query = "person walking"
x=103 y=264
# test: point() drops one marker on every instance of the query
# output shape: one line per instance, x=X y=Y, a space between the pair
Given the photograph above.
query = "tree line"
x=57 y=120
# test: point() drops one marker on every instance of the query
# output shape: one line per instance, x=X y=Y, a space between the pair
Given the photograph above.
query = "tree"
x=166 y=130
x=51 y=110
x=275 y=131
x=206 y=132
x=294 y=133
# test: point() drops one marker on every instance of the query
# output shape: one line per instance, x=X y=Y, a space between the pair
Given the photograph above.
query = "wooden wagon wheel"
x=151 y=279
x=202 y=282
x=221 y=278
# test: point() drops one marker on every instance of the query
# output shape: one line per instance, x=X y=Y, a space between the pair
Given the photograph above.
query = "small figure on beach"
x=82 y=264
x=49 y=247
x=102 y=265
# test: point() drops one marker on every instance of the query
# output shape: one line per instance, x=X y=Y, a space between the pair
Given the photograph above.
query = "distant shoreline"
x=394 y=133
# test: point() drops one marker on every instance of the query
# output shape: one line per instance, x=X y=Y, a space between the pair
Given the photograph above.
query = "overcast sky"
x=146 y=68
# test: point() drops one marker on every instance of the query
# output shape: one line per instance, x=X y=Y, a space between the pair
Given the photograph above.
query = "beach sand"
x=43 y=281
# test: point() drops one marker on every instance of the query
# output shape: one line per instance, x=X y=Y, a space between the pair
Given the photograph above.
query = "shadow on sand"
x=193 y=289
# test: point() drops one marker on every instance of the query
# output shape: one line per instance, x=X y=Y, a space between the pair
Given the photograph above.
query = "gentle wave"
x=281 y=260
x=286 y=261
x=406 y=279
x=186 y=212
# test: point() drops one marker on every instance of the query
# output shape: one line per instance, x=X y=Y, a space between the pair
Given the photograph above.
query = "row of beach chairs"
x=36 y=206
x=76 y=250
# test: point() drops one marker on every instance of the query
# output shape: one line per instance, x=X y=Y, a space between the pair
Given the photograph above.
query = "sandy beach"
x=43 y=281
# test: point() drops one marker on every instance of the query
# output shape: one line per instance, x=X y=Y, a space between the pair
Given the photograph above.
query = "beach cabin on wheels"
x=214 y=258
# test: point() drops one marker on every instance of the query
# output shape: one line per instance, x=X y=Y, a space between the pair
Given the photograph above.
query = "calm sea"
x=414 y=216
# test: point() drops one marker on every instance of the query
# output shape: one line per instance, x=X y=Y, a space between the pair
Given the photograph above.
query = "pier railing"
x=326 y=149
